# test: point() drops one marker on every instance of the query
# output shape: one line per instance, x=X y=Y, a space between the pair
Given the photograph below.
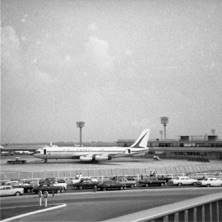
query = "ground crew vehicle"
x=17 y=160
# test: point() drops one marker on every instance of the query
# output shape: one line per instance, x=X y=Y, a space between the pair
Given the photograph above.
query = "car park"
x=212 y=181
x=8 y=190
x=86 y=184
x=183 y=180
x=110 y=184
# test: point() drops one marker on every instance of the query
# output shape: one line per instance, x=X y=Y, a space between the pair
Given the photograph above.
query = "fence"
x=113 y=172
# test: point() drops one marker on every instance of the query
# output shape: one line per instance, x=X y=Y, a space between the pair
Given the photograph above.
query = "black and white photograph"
x=111 y=110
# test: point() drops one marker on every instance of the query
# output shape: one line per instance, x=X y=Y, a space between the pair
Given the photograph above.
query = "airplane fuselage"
x=98 y=153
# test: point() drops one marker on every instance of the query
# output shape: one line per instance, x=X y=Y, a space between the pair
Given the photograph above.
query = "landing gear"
x=45 y=161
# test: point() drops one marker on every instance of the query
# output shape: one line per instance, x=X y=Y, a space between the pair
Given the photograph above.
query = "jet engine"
x=102 y=157
x=86 y=158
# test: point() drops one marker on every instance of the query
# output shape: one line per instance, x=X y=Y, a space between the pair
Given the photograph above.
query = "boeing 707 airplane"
x=94 y=154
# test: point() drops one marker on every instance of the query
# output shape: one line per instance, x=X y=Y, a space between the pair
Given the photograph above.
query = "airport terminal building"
x=208 y=146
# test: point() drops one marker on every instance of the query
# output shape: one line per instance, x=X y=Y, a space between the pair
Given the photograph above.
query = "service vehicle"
x=86 y=184
x=111 y=184
x=17 y=160
x=48 y=188
x=183 y=180
x=150 y=181
x=209 y=182
x=7 y=190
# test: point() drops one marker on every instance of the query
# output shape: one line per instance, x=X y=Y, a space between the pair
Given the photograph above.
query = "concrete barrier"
x=205 y=208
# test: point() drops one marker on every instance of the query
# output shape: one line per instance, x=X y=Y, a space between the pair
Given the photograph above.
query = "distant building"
x=208 y=146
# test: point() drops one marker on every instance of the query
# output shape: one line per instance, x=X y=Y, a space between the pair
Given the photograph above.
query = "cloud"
x=19 y=72
x=92 y=27
x=97 y=54
x=128 y=52
x=10 y=49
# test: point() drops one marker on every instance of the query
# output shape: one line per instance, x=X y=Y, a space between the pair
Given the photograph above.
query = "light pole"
x=80 y=125
x=164 y=120
x=161 y=134
x=213 y=131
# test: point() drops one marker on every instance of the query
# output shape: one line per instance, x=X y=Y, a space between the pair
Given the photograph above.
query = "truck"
x=17 y=160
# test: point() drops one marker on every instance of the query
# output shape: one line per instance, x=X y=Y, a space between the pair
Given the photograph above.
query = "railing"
x=202 y=209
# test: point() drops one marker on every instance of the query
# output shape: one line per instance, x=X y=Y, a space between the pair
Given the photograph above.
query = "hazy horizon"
x=117 y=65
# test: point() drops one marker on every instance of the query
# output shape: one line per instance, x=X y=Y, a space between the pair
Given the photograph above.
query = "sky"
x=116 y=65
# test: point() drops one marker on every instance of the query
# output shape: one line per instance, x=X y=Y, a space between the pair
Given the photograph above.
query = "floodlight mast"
x=164 y=121
x=161 y=133
x=80 y=125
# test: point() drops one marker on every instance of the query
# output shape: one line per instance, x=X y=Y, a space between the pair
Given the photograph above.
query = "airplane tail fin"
x=142 y=141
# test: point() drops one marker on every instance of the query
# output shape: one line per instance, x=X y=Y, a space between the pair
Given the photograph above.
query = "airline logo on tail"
x=142 y=141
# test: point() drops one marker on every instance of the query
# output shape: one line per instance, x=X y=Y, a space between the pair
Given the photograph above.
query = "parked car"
x=86 y=184
x=183 y=180
x=77 y=180
x=49 y=188
x=34 y=182
x=123 y=180
x=220 y=181
x=210 y=182
x=8 y=190
x=60 y=183
x=11 y=182
x=111 y=184
x=164 y=177
x=27 y=187
x=149 y=181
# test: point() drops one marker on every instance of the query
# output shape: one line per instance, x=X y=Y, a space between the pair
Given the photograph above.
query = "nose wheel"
x=45 y=161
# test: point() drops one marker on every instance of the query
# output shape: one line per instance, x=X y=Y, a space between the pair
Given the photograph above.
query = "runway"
x=35 y=164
